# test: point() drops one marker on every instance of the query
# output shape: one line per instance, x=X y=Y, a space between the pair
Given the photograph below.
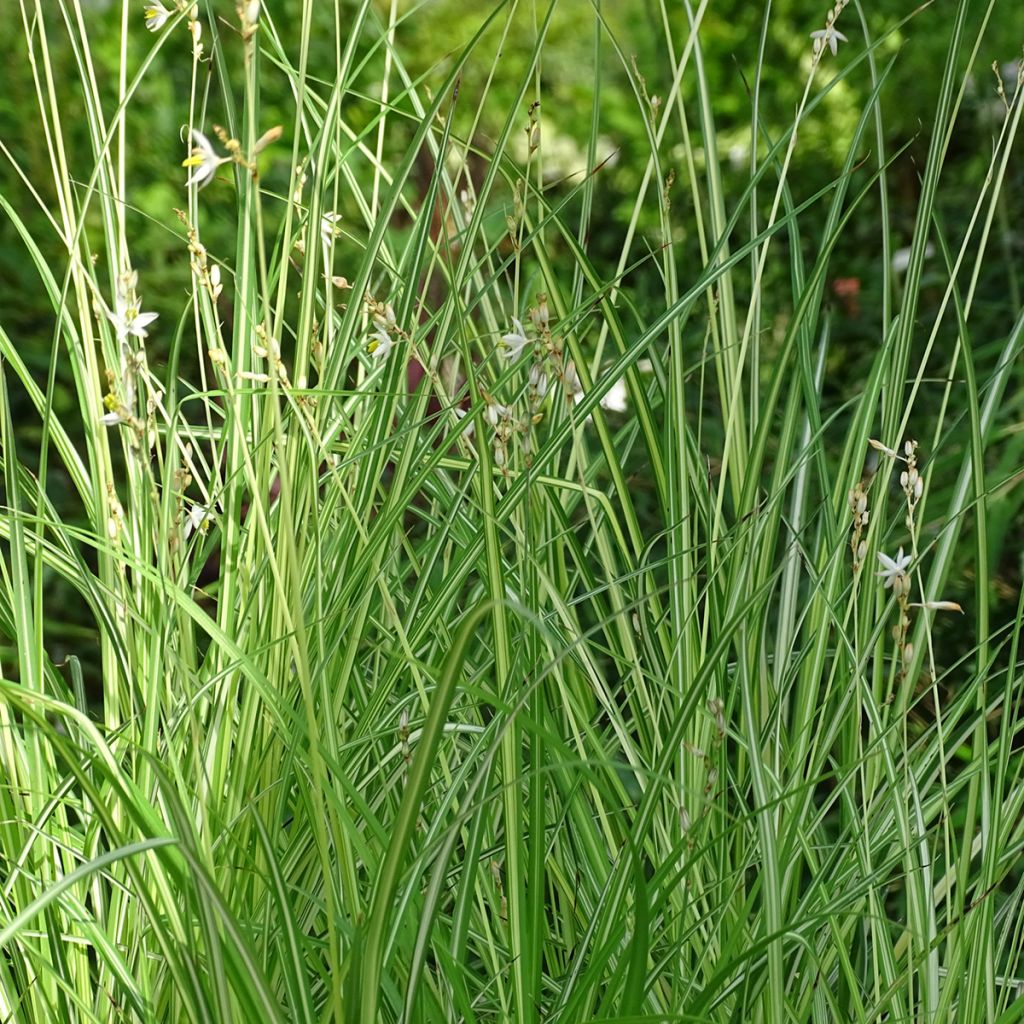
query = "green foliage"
x=460 y=604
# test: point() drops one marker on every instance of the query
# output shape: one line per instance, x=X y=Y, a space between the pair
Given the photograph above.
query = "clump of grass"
x=433 y=686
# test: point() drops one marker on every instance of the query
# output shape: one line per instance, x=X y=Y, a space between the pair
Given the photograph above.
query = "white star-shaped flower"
x=204 y=159
x=128 y=319
x=515 y=341
x=829 y=37
x=381 y=345
x=156 y=15
x=893 y=569
x=495 y=412
x=199 y=518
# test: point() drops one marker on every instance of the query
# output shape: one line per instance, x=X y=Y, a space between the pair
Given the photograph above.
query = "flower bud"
x=215 y=286
x=941 y=606
x=269 y=136
x=542 y=311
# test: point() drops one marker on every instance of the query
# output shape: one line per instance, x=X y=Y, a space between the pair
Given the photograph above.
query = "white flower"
x=156 y=15
x=329 y=229
x=894 y=570
x=199 y=517
x=127 y=319
x=117 y=411
x=828 y=36
x=515 y=341
x=495 y=412
x=381 y=345
x=204 y=159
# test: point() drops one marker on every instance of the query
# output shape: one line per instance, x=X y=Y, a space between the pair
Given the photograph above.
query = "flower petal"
x=144 y=319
